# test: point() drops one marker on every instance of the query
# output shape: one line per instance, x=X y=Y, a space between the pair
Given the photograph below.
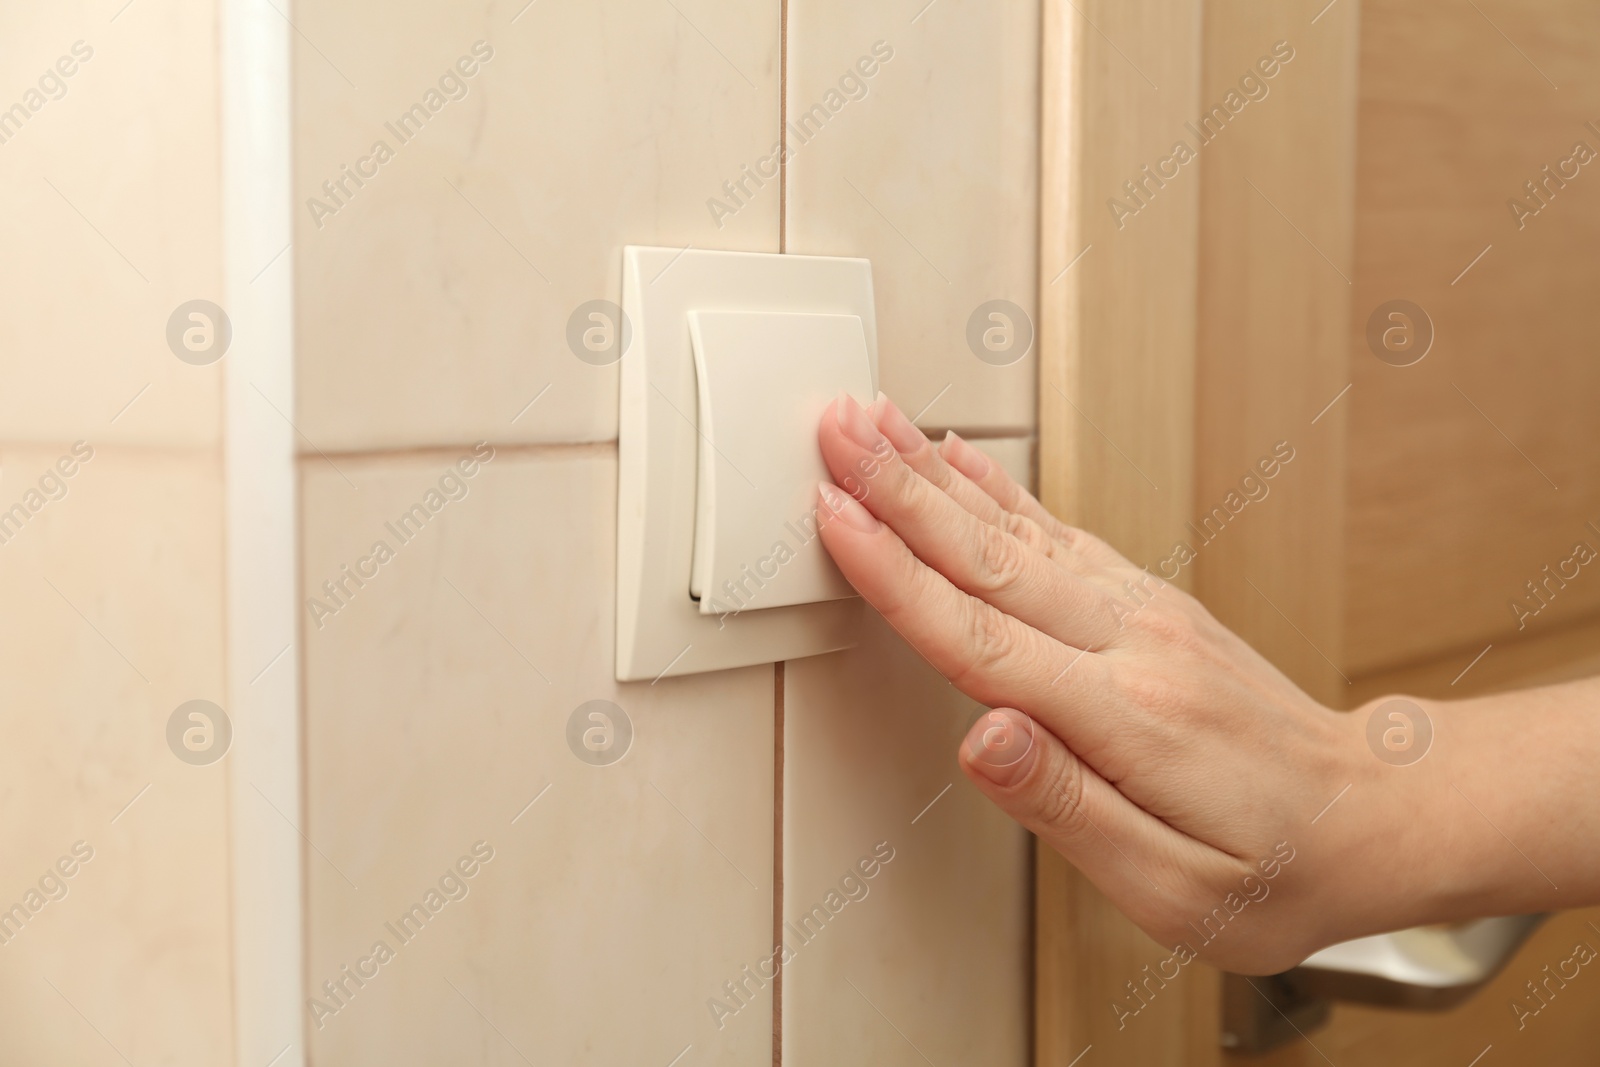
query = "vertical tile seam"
x=783 y=128
x=1045 y=55
x=777 y=859
x=778 y=668
x=228 y=664
x=302 y=687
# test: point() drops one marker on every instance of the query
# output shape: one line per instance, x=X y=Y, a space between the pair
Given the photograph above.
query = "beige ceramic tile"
x=927 y=165
x=927 y=959
x=111 y=220
x=1014 y=454
x=433 y=307
x=113 y=592
x=438 y=698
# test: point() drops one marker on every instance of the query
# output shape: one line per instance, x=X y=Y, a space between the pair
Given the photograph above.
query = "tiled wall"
x=111 y=574
x=932 y=955
x=933 y=175
x=624 y=901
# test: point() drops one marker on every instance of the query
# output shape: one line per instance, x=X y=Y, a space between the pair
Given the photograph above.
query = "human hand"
x=1132 y=732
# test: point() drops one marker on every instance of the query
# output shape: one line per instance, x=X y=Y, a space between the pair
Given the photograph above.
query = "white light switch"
x=732 y=360
x=764 y=380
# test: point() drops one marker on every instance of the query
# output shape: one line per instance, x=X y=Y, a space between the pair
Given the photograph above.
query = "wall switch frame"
x=661 y=631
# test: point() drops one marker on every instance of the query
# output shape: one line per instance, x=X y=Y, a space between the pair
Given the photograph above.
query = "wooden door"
x=1191 y=323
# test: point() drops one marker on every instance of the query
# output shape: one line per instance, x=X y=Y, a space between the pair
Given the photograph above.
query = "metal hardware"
x=1427 y=968
x=1262 y=1013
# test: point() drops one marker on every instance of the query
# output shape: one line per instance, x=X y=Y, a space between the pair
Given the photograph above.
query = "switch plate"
x=764 y=379
x=738 y=300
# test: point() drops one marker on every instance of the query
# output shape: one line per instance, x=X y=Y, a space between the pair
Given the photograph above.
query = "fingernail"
x=963 y=457
x=846 y=507
x=1000 y=745
x=896 y=427
x=853 y=422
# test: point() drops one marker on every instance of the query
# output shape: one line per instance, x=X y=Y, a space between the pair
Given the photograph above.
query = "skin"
x=1169 y=762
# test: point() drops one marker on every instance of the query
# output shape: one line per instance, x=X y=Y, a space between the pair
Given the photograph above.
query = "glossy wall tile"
x=912 y=130
x=1016 y=455
x=111 y=221
x=906 y=893
x=592 y=860
x=466 y=177
x=114 y=914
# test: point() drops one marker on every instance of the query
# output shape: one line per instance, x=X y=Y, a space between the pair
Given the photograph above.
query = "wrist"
x=1384 y=859
x=1449 y=813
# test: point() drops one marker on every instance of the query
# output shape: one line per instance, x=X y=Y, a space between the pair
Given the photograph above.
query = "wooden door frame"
x=1176 y=344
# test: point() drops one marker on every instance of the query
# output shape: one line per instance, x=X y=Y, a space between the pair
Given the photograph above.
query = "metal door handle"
x=1426 y=968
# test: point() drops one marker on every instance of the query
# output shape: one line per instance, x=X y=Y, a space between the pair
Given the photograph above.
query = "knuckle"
x=1015 y=498
x=1071 y=537
x=938 y=472
x=920 y=496
x=989 y=642
x=1170 y=630
x=1060 y=797
x=1161 y=710
x=870 y=467
x=1027 y=531
x=909 y=591
x=1082 y=543
x=1001 y=559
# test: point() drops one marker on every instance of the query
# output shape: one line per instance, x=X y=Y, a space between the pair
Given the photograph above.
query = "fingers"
x=989 y=655
x=978 y=558
x=990 y=477
x=983 y=487
x=1031 y=775
x=919 y=454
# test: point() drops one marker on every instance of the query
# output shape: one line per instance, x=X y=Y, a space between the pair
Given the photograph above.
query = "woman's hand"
x=1132 y=732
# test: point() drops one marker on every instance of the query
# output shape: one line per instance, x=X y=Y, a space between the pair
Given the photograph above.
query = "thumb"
x=1033 y=777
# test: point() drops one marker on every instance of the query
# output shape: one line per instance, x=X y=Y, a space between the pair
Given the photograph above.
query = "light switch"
x=733 y=358
x=764 y=380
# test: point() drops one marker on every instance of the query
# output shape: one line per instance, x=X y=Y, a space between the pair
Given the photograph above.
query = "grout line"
x=778 y=668
x=453 y=451
x=302 y=756
x=783 y=142
x=777 y=859
x=538 y=448
x=933 y=428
